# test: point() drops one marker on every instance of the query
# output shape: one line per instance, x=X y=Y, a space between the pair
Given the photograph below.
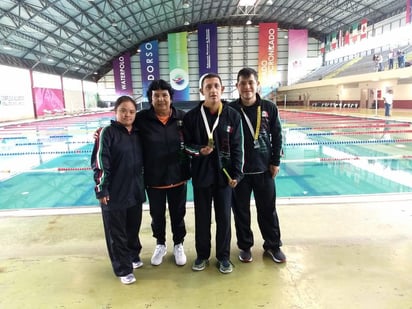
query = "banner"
x=149 y=64
x=268 y=57
x=207 y=48
x=48 y=101
x=346 y=40
x=322 y=46
x=340 y=38
x=354 y=32
x=334 y=41
x=123 y=75
x=364 y=29
x=327 y=43
x=16 y=99
x=179 y=65
x=298 y=53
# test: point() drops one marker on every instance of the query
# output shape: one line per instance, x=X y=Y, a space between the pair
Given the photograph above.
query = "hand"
x=206 y=150
x=96 y=133
x=274 y=170
x=233 y=183
x=104 y=200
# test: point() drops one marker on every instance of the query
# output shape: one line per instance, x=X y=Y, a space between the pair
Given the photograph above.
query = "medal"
x=211 y=142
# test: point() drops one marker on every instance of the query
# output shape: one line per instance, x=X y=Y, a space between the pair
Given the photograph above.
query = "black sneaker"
x=199 y=264
x=277 y=255
x=225 y=266
x=245 y=256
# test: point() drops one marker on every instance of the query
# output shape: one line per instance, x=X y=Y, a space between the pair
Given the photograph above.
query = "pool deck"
x=343 y=252
x=340 y=255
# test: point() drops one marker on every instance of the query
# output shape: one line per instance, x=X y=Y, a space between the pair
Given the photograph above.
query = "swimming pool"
x=46 y=164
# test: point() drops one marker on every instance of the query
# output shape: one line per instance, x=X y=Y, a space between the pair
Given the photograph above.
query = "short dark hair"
x=122 y=99
x=247 y=72
x=159 y=84
x=210 y=75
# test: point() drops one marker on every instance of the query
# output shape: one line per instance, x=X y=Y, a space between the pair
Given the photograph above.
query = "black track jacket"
x=165 y=161
x=228 y=152
x=257 y=160
x=118 y=166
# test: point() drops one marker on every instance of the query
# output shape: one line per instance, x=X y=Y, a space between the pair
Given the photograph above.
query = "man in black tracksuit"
x=166 y=166
x=263 y=148
x=213 y=137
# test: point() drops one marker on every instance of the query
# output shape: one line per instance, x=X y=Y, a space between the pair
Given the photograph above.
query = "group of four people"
x=227 y=149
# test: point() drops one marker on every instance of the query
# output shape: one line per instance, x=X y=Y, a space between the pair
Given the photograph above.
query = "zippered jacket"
x=165 y=161
x=117 y=163
x=228 y=143
x=258 y=159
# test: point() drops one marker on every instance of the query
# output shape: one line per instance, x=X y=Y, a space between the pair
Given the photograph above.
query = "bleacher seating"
x=364 y=64
x=321 y=72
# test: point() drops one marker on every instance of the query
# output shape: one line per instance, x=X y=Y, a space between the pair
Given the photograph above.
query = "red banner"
x=268 y=54
x=364 y=29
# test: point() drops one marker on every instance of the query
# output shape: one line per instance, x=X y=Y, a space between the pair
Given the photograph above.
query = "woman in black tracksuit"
x=118 y=173
x=166 y=166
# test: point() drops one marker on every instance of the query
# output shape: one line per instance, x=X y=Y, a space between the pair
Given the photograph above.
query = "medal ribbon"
x=208 y=131
x=254 y=133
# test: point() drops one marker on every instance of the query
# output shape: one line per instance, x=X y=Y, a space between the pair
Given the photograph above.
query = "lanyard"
x=208 y=131
x=254 y=133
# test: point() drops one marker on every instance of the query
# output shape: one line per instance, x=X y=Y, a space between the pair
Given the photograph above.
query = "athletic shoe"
x=277 y=255
x=199 y=264
x=158 y=254
x=137 y=264
x=225 y=267
x=245 y=256
x=179 y=254
x=129 y=279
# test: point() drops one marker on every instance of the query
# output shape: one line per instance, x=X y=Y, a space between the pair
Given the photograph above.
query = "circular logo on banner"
x=179 y=79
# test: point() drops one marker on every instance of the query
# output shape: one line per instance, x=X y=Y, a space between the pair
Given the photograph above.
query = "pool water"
x=43 y=165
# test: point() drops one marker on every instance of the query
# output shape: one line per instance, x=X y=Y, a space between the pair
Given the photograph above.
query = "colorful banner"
x=149 y=64
x=207 y=48
x=122 y=72
x=48 y=101
x=268 y=57
x=346 y=40
x=354 y=32
x=298 y=53
x=322 y=46
x=334 y=41
x=364 y=29
x=179 y=65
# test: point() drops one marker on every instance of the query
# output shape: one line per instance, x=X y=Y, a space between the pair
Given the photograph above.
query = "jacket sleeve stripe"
x=101 y=176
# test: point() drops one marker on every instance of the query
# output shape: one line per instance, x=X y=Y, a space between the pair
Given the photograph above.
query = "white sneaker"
x=158 y=254
x=179 y=254
x=128 y=279
x=137 y=264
